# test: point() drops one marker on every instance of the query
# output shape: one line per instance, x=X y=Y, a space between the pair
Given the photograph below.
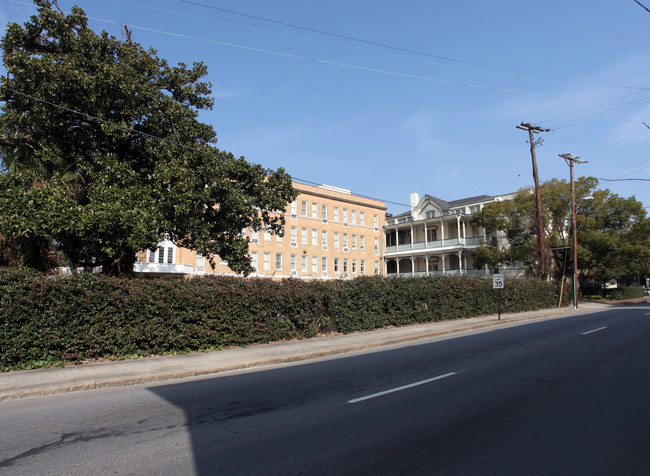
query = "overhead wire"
x=348 y=65
x=397 y=48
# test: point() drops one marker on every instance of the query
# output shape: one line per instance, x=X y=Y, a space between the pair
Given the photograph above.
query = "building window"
x=303 y=236
x=376 y=220
x=323 y=212
x=303 y=208
x=345 y=215
x=303 y=263
x=267 y=261
x=254 y=261
x=170 y=255
x=294 y=207
x=376 y=245
x=353 y=217
x=377 y=267
x=324 y=264
x=336 y=239
x=314 y=210
x=354 y=266
x=345 y=266
x=294 y=234
x=314 y=237
x=200 y=263
x=345 y=240
x=336 y=265
x=152 y=256
x=278 y=261
x=336 y=213
x=362 y=218
x=161 y=254
x=293 y=263
x=254 y=236
x=354 y=242
x=267 y=235
x=323 y=236
x=363 y=266
x=432 y=234
x=362 y=242
x=278 y=238
x=314 y=264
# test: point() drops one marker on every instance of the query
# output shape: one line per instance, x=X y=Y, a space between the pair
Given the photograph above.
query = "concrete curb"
x=41 y=382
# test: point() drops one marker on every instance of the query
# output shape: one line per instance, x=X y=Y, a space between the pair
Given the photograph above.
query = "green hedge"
x=56 y=320
x=627 y=292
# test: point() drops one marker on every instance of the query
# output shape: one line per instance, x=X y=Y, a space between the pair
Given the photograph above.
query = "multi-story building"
x=329 y=233
x=438 y=237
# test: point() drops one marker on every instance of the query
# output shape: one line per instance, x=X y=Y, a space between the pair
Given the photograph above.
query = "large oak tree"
x=611 y=240
x=103 y=153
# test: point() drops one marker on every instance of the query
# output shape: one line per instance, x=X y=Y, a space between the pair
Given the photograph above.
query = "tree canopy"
x=102 y=154
x=613 y=238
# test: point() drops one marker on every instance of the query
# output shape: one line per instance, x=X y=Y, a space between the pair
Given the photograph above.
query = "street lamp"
x=570 y=160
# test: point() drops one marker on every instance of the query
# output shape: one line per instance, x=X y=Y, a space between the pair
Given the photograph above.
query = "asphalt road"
x=562 y=396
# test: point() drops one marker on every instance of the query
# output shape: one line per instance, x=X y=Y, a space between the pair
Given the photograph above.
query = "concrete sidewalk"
x=29 y=383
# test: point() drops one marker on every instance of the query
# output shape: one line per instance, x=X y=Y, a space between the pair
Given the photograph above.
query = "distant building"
x=329 y=233
x=437 y=237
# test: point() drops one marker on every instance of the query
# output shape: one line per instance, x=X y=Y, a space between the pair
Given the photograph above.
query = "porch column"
x=458 y=227
x=460 y=263
x=426 y=237
x=411 y=235
x=426 y=264
x=442 y=257
x=442 y=232
x=412 y=266
x=464 y=231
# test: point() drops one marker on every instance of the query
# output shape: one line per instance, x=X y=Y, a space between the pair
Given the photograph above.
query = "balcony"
x=435 y=245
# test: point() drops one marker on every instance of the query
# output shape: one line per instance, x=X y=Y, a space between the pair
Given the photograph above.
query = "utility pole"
x=541 y=252
x=570 y=160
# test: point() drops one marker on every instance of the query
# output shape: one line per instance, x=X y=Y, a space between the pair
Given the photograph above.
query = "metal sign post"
x=498 y=283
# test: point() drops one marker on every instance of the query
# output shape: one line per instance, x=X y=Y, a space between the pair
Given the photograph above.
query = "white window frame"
x=254 y=261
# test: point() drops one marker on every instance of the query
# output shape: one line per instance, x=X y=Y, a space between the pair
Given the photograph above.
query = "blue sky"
x=390 y=97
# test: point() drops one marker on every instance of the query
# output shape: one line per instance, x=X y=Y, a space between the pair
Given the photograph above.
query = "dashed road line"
x=594 y=330
x=403 y=387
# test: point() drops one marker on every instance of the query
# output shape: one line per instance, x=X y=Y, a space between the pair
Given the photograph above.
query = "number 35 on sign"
x=497 y=281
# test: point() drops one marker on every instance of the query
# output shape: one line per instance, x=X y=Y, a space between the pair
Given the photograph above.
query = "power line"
x=346 y=65
x=623 y=179
x=397 y=48
x=151 y=136
x=99 y=119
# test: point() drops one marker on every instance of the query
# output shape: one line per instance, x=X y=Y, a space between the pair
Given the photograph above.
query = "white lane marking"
x=594 y=330
x=403 y=387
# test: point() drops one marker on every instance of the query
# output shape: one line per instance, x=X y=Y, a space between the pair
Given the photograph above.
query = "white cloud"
x=421 y=128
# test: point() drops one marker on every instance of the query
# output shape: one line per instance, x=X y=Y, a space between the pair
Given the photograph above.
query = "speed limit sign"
x=497 y=281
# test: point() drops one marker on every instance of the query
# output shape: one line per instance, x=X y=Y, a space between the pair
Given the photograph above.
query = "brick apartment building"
x=330 y=233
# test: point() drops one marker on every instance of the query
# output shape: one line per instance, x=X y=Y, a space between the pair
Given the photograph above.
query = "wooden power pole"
x=539 y=217
x=570 y=160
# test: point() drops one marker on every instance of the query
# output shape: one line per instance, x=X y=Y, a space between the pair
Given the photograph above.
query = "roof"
x=470 y=200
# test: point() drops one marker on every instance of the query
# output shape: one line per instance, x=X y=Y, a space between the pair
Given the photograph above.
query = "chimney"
x=415 y=199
